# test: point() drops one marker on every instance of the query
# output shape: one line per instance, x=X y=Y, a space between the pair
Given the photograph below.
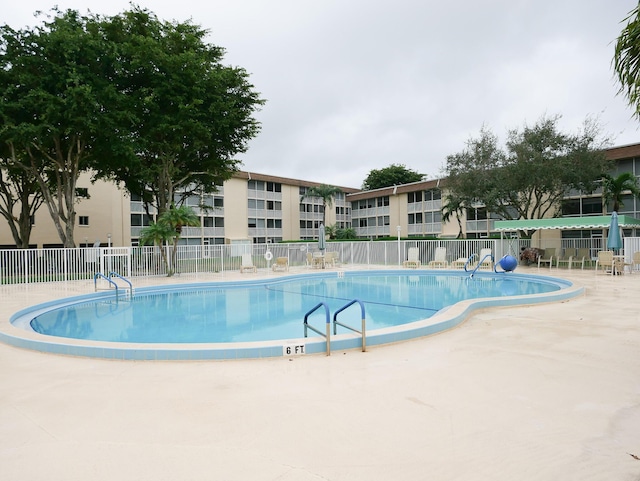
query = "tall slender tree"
x=626 y=59
x=327 y=193
x=168 y=229
x=615 y=188
x=453 y=207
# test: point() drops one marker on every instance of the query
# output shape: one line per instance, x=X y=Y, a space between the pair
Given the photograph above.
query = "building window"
x=414 y=197
x=82 y=192
x=415 y=218
x=83 y=220
x=274 y=187
x=139 y=220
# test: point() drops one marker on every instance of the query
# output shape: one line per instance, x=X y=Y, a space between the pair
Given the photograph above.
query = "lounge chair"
x=635 y=262
x=247 y=264
x=317 y=260
x=330 y=259
x=547 y=257
x=459 y=263
x=583 y=256
x=281 y=264
x=413 y=259
x=439 y=259
x=567 y=257
x=485 y=260
x=605 y=260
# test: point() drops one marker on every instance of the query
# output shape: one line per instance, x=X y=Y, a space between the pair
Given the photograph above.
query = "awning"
x=566 y=223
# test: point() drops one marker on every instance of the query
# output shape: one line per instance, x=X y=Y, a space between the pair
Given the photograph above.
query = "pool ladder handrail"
x=471 y=257
x=327 y=333
x=115 y=274
x=100 y=275
x=363 y=317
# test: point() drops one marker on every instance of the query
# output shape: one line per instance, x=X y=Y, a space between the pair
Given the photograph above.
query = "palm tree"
x=453 y=206
x=326 y=193
x=158 y=234
x=614 y=188
x=169 y=229
x=626 y=59
x=176 y=218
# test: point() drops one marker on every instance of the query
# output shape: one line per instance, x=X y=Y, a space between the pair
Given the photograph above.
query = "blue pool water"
x=274 y=309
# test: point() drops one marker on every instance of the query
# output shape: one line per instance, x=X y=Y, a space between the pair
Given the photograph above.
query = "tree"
x=346 y=234
x=326 y=193
x=529 y=179
x=176 y=218
x=158 y=234
x=19 y=192
x=614 y=188
x=626 y=59
x=395 y=174
x=128 y=98
x=190 y=114
x=59 y=107
x=453 y=206
x=168 y=229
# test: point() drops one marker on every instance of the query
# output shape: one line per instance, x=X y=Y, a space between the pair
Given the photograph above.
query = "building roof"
x=241 y=174
x=566 y=223
x=396 y=189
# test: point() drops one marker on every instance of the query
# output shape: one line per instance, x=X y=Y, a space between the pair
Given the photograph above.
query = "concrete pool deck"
x=542 y=392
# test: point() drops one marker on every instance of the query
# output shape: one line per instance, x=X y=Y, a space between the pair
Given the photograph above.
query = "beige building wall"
x=236 y=209
x=290 y=212
x=108 y=212
x=398 y=215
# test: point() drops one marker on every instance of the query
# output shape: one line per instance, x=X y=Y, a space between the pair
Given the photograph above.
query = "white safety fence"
x=19 y=266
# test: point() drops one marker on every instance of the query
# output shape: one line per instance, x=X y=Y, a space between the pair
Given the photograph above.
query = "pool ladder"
x=112 y=283
x=471 y=257
x=327 y=332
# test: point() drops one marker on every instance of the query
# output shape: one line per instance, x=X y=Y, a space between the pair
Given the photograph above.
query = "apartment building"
x=249 y=207
x=258 y=208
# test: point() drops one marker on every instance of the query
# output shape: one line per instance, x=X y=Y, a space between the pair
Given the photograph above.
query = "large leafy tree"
x=130 y=98
x=191 y=114
x=327 y=193
x=529 y=178
x=59 y=107
x=395 y=174
x=626 y=59
x=615 y=188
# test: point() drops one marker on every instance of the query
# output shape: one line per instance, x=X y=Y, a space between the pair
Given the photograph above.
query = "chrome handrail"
x=363 y=317
x=115 y=274
x=109 y=280
x=327 y=333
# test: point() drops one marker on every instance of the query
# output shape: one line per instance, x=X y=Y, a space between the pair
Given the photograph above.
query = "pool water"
x=273 y=309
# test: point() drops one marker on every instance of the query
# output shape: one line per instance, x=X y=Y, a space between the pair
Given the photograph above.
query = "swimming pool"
x=261 y=318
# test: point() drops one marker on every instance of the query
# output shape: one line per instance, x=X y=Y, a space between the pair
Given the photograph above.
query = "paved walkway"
x=547 y=392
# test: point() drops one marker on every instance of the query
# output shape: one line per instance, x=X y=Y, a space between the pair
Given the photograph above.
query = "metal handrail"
x=108 y=279
x=327 y=333
x=364 y=322
x=115 y=274
x=490 y=256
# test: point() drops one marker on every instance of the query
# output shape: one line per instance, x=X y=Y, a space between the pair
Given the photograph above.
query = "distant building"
x=259 y=208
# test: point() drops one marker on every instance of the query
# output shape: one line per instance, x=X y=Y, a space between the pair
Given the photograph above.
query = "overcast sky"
x=355 y=85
